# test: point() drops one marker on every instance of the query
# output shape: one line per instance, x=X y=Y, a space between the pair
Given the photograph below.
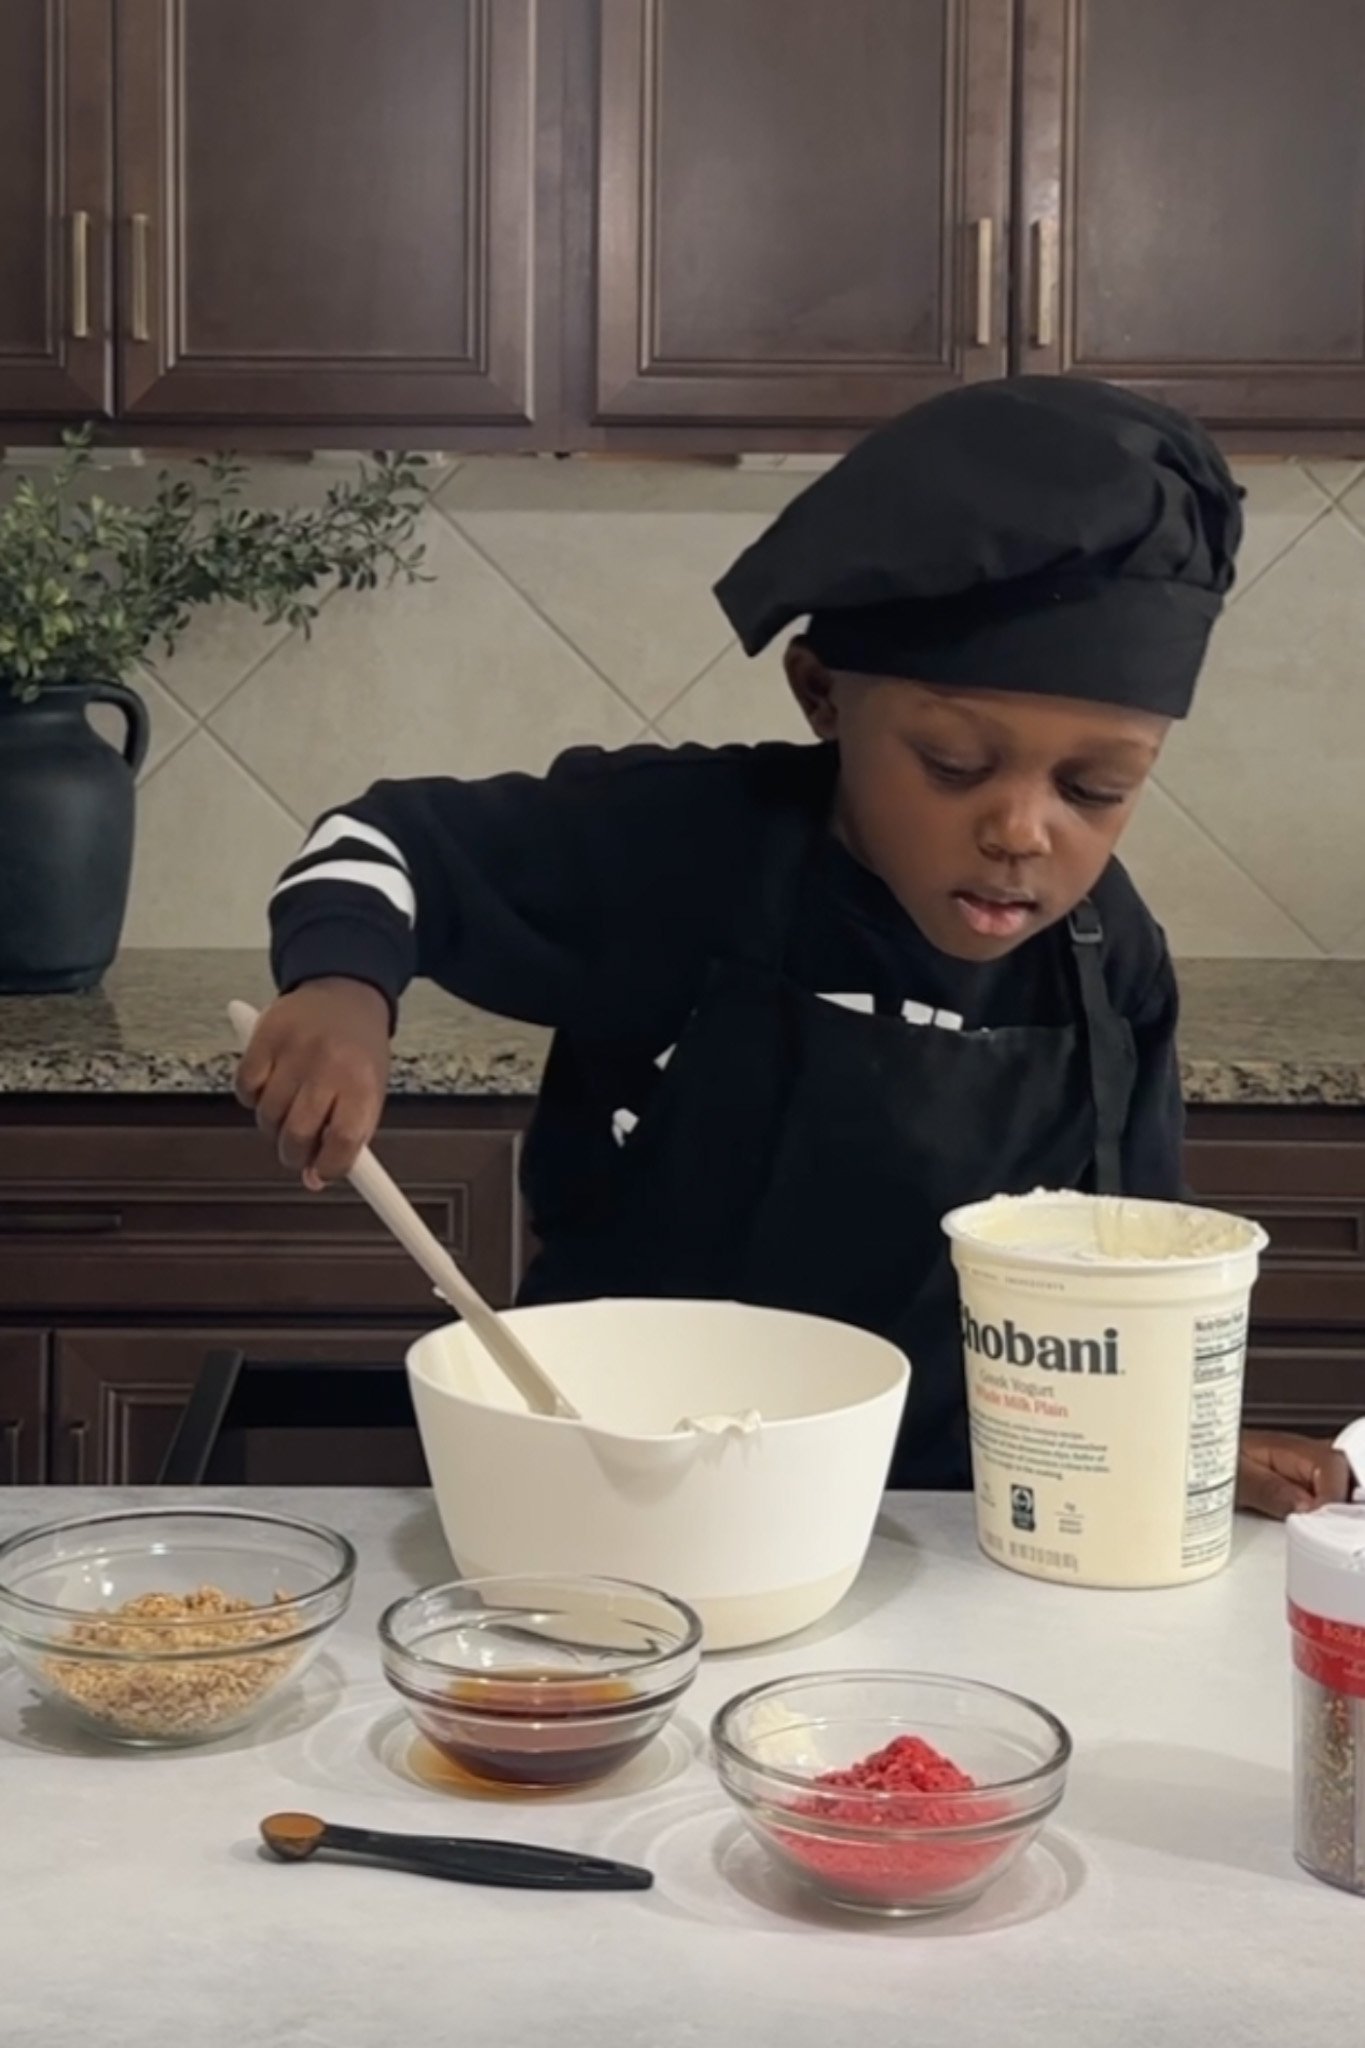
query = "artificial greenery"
x=88 y=588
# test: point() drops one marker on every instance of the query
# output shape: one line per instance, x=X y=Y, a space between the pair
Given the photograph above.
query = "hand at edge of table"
x=1279 y=1474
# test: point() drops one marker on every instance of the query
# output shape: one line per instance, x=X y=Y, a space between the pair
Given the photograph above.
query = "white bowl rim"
x=423 y=1371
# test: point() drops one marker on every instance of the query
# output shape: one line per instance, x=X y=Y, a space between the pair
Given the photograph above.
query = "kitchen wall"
x=569 y=602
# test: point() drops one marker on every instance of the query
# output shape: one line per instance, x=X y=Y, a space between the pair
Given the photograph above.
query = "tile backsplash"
x=570 y=602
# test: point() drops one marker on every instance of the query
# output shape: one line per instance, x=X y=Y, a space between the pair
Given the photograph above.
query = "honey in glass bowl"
x=540 y=1683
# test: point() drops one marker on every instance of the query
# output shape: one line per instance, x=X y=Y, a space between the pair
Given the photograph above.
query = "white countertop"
x=1164 y=1907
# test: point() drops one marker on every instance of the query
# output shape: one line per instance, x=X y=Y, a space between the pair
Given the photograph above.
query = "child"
x=807 y=999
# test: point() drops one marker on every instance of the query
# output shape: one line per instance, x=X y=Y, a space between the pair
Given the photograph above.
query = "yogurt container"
x=1104 y=1342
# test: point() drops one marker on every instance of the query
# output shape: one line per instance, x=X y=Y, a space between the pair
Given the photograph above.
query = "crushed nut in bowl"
x=177 y=1695
x=161 y=1627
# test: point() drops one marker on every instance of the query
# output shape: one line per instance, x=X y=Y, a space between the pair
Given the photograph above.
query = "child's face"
x=989 y=815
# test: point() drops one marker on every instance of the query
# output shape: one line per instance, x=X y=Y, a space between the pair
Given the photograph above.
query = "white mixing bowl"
x=761 y=1532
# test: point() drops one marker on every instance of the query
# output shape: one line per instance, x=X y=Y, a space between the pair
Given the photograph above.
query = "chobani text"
x=1006 y=1344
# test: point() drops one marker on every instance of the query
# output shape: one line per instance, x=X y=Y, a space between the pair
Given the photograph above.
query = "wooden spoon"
x=396 y=1212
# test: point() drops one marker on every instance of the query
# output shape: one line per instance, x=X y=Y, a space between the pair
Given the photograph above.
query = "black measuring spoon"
x=519 y=1866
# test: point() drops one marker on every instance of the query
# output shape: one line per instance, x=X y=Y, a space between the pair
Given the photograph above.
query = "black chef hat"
x=1045 y=534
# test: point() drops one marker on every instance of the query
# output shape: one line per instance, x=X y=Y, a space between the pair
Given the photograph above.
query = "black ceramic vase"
x=66 y=836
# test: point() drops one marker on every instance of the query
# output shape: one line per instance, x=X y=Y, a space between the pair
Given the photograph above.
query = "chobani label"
x=1007 y=1343
x=1104 y=1398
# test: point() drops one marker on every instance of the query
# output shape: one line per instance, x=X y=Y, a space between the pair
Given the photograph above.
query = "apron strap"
x=1108 y=1047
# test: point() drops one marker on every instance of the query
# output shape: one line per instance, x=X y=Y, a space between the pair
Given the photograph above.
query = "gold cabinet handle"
x=80 y=277
x=985 y=281
x=1044 y=282
x=139 y=320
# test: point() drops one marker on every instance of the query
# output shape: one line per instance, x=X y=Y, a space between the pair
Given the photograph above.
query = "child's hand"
x=1279 y=1474
x=316 y=1072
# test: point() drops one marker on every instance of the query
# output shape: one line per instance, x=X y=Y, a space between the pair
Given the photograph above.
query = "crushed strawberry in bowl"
x=891 y=1792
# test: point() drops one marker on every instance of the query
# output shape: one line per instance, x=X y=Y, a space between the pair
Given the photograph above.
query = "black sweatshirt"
x=592 y=900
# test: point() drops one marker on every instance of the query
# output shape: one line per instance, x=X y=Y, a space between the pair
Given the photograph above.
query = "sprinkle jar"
x=1327 y=1618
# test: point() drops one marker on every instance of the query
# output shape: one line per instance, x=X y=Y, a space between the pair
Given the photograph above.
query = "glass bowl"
x=163 y=1627
x=540 y=1682
x=891 y=1851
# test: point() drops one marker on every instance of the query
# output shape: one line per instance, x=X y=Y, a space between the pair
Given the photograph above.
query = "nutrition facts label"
x=1220 y=1344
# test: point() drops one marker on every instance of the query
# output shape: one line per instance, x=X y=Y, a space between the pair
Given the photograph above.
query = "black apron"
x=798 y=1154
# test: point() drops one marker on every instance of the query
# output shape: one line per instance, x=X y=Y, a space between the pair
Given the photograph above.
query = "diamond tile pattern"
x=457 y=676
x=210 y=844
x=571 y=603
x=1335 y=478
x=575 y=571
x=1210 y=908
x=736 y=699
x=1282 y=502
x=1273 y=762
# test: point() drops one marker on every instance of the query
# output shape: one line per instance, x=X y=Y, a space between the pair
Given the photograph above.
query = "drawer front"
x=199 y=1218
x=1306 y=1186
x=1304 y=1383
x=119 y=1393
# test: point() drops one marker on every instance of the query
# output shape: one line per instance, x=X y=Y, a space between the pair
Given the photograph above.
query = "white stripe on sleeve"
x=339 y=826
x=366 y=874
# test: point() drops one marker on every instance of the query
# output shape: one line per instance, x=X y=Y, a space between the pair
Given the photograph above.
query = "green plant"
x=87 y=588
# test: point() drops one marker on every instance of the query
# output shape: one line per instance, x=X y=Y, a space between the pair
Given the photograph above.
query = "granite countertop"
x=1161 y=1903
x=159 y=1027
x=1273 y=1031
x=1255 y=1031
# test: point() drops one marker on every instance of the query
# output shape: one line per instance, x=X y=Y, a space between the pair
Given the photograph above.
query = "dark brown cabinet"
x=802 y=209
x=23 y=1407
x=326 y=210
x=1192 y=202
x=672 y=224
x=177 y=1206
x=119 y=1393
x=55 y=115
x=138 y=1236
x=1300 y=1173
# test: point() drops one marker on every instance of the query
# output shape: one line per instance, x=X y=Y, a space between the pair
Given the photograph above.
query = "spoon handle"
x=392 y=1207
x=513 y=1865
x=377 y=1187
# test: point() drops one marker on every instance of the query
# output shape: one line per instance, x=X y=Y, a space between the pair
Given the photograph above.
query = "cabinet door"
x=23 y=1407
x=56 y=103
x=326 y=210
x=1192 y=203
x=801 y=207
x=118 y=1395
